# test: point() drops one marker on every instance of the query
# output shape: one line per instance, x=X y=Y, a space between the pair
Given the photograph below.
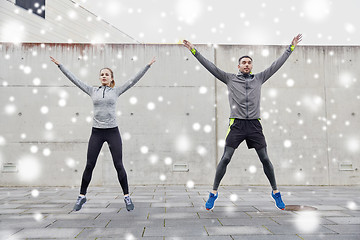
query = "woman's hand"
x=152 y=61
x=54 y=61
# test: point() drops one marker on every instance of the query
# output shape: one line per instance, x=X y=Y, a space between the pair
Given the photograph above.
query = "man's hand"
x=296 y=40
x=188 y=44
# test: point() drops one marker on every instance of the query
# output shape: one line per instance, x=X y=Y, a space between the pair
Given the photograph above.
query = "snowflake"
x=196 y=126
x=28 y=168
x=252 y=169
x=168 y=161
x=34 y=149
x=46 y=152
x=151 y=106
x=190 y=184
x=287 y=143
x=144 y=149
x=35 y=193
x=183 y=143
x=70 y=162
x=307 y=221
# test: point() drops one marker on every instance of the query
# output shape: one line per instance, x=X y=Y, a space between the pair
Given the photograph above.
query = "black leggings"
x=97 y=138
x=225 y=160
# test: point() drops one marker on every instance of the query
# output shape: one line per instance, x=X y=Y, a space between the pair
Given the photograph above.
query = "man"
x=244 y=97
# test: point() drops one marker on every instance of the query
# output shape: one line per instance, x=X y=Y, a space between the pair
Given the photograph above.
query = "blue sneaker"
x=278 y=201
x=211 y=201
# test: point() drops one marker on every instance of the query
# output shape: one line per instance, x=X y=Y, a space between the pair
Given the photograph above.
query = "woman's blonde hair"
x=112 y=83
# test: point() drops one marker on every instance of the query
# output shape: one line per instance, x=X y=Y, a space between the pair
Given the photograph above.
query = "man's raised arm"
x=267 y=73
x=218 y=73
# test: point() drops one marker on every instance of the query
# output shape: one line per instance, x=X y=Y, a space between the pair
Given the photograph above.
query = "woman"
x=104 y=126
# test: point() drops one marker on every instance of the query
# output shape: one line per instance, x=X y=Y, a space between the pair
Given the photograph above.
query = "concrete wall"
x=309 y=115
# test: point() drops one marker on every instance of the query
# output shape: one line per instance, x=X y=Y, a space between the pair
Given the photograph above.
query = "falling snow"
x=190 y=184
x=144 y=149
x=288 y=116
x=35 y=193
x=29 y=168
x=307 y=221
x=168 y=161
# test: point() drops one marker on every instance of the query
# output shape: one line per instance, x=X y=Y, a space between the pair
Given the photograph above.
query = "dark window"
x=37 y=6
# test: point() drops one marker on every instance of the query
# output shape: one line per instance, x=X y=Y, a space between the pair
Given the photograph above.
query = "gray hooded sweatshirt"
x=104 y=97
x=244 y=89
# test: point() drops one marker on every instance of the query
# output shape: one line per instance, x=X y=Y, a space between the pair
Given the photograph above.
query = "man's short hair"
x=244 y=57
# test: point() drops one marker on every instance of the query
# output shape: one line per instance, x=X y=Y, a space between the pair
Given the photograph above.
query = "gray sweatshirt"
x=104 y=97
x=244 y=89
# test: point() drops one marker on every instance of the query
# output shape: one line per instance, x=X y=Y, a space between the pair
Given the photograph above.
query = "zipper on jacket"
x=247 y=100
x=104 y=92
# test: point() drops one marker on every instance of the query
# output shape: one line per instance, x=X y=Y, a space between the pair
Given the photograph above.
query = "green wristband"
x=292 y=47
x=193 y=51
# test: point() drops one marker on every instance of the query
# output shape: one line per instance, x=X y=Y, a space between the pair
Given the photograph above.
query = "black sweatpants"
x=97 y=139
x=250 y=131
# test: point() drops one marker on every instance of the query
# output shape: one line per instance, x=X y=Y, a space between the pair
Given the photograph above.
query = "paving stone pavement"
x=175 y=212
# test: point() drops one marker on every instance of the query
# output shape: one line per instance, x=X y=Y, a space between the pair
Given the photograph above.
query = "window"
x=37 y=6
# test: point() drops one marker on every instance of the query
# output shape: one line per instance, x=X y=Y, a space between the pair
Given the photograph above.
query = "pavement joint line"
x=107 y=205
x=256 y=209
x=148 y=216
x=18 y=231
x=299 y=236
x=142 y=235
x=267 y=229
x=330 y=229
x=332 y=222
x=274 y=220
x=206 y=231
x=198 y=215
x=80 y=233
x=97 y=216
x=248 y=214
x=48 y=225
x=232 y=237
x=107 y=223
x=220 y=222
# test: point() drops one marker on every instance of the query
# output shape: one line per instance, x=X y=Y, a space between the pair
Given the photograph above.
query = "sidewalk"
x=175 y=212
